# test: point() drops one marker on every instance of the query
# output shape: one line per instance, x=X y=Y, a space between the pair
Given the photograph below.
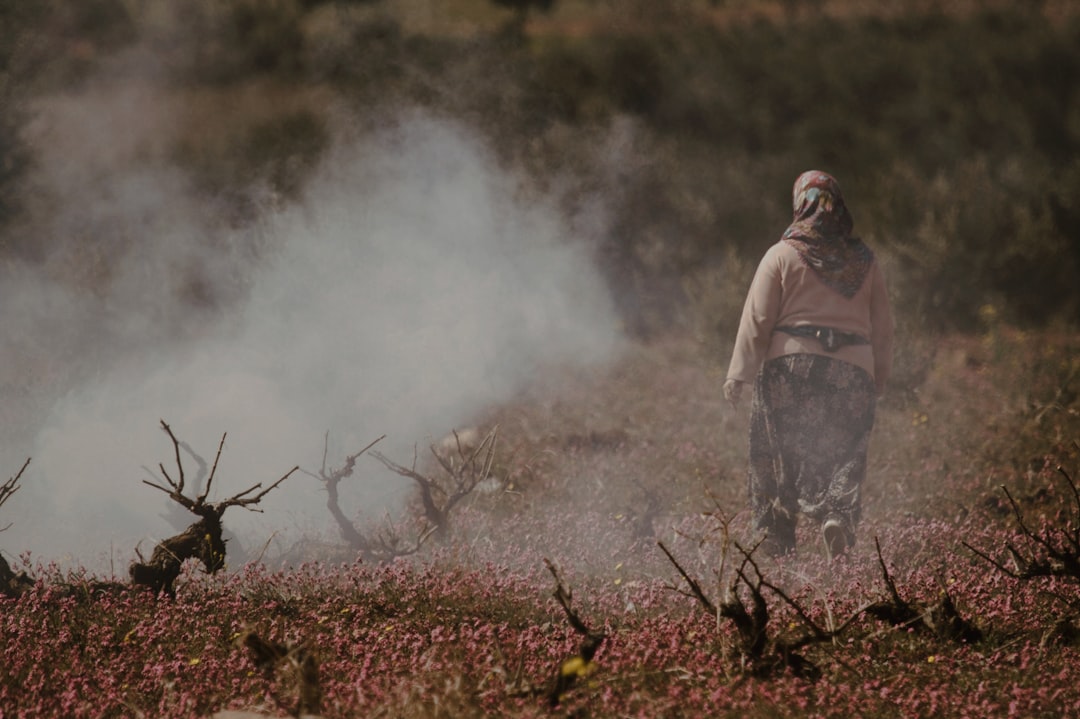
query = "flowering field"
x=603 y=571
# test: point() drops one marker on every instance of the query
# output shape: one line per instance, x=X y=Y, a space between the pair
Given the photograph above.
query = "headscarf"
x=821 y=232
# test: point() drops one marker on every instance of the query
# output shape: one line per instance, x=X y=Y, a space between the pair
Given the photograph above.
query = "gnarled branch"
x=12 y=584
x=202 y=540
x=1052 y=552
x=941 y=618
x=581 y=664
x=751 y=617
x=384 y=544
x=11 y=486
x=439 y=495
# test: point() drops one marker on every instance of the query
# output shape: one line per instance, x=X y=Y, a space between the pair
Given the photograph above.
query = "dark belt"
x=831 y=340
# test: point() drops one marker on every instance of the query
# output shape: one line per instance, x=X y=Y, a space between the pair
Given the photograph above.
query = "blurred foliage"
x=15 y=158
x=955 y=137
x=277 y=153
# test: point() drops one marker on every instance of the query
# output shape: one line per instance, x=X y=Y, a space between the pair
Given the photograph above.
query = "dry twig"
x=10 y=487
x=202 y=540
x=941 y=618
x=1052 y=552
x=462 y=474
x=298 y=660
x=581 y=664
x=645 y=512
x=751 y=617
x=384 y=545
x=12 y=583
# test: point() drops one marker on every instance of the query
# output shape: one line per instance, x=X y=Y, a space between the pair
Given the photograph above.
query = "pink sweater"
x=786 y=292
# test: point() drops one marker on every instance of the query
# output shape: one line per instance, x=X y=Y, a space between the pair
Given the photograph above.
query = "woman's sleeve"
x=882 y=329
x=759 y=315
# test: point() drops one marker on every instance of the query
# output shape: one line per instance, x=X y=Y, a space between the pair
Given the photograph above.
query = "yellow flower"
x=931 y=659
x=577 y=667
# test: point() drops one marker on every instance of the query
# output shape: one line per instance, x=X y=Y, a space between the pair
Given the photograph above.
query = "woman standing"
x=816 y=340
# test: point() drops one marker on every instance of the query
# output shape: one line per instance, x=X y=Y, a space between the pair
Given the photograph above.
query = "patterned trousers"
x=810 y=425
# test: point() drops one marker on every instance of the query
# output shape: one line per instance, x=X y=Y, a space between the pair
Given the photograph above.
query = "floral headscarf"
x=821 y=232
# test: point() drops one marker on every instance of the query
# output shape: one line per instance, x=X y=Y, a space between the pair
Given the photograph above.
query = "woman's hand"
x=733 y=391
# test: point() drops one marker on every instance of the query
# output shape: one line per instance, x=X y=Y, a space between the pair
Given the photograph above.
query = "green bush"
x=17 y=19
x=276 y=153
x=954 y=136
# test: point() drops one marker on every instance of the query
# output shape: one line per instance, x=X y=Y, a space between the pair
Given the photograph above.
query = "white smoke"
x=416 y=284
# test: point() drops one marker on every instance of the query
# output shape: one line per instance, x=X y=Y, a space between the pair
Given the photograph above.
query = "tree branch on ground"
x=202 y=540
x=581 y=664
x=514 y=683
x=12 y=583
x=1051 y=552
x=644 y=519
x=296 y=661
x=941 y=618
x=743 y=603
x=461 y=474
x=384 y=545
x=175 y=515
x=10 y=487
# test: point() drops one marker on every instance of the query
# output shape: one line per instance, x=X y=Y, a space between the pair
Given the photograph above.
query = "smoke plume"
x=413 y=284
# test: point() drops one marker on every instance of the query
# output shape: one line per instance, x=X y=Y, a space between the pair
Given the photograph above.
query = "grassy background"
x=955 y=135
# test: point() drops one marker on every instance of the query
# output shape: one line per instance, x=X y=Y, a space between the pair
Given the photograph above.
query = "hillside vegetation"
x=955 y=136
x=590 y=556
